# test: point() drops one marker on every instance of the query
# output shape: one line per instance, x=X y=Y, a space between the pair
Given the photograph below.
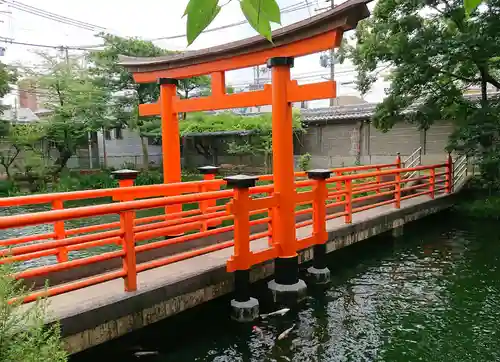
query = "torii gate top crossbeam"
x=305 y=37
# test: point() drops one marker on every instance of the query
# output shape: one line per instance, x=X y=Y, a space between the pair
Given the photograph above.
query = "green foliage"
x=72 y=181
x=78 y=104
x=8 y=76
x=256 y=17
x=18 y=140
x=305 y=161
x=7 y=188
x=149 y=177
x=471 y=5
x=200 y=13
x=116 y=79
x=23 y=333
x=259 y=14
x=479 y=202
x=435 y=53
x=228 y=121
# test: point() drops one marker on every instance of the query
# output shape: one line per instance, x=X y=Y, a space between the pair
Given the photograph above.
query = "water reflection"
x=433 y=295
x=69 y=224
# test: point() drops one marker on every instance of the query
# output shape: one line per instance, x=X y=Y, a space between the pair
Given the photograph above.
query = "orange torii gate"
x=318 y=33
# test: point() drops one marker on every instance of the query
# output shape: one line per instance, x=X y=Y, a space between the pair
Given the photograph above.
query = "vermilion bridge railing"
x=350 y=190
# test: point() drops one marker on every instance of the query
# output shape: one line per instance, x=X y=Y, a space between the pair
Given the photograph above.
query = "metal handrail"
x=417 y=151
x=416 y=160
x=460 y=169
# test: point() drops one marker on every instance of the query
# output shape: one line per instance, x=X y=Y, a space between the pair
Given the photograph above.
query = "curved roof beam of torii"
x=312 y=35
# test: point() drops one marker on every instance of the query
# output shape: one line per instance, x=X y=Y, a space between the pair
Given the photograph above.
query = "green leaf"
x=471 y=5
x=268 y=8
x=259 y=22
x=200 y=13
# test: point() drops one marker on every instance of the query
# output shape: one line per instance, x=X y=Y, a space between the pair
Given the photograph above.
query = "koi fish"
x=285 y=333
x=280 y=312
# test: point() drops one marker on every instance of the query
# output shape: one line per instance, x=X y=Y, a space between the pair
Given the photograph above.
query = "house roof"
x=354 y=111
x=220 y=133
x=19 y=115
x=362 y=111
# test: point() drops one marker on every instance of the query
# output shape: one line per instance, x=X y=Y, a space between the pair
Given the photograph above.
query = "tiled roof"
x=358 y=111
x=355 y=111
x=20 y=115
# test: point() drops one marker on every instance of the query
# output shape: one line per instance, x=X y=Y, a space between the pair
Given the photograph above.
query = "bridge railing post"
x=129 y=259
x=399 y=164
x=338 y=186
x=348 y=201
x=319 y=271
x=379 y=179
x=208 y=173
x=319 y=203
x=244 y=308
x=126 y=178
x=397 y=190
x=432 y=182
x=60 y=233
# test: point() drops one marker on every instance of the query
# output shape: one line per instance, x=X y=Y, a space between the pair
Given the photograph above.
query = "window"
x=118 y=133
x=107 y=134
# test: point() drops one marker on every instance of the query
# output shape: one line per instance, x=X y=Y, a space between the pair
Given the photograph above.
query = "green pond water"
x=69 y=224
x=432 y=295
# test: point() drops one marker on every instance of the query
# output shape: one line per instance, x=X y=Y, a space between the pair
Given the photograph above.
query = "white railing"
x=414 y=160
x=460 y=170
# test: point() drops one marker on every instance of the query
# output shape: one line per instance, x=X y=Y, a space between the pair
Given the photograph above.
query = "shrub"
x=305 y=161
x=23 y=333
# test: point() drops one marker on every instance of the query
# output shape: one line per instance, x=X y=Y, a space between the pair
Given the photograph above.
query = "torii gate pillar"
x=171 y=147
x=286 y=288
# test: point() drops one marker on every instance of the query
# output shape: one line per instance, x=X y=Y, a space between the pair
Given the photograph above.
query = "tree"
x=19 y=140
x=23 y=333
x=257 y=142
x=108 y=74
x=78 y=105
x=259 y=14
x=8 y=76
x=435 y=53
x=471 y=5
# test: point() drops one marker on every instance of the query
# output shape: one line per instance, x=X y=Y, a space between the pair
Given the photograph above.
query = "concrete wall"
x=127 y=150
x=343 y=142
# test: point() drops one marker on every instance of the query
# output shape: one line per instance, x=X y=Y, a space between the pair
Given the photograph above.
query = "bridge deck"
x=82 y=310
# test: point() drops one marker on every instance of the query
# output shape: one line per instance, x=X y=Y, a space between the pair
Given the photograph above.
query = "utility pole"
x=332 y=64
x=256 y=80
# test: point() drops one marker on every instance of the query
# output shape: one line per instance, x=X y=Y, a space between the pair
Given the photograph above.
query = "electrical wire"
x=288 y=9
x=52 y=16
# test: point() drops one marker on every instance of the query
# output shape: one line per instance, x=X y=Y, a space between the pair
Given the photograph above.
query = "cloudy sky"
x=152 y=19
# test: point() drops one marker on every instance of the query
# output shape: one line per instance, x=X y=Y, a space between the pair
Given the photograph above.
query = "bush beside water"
x=480 y=201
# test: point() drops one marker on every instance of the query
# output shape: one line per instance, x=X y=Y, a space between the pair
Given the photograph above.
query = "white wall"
x=126 y=150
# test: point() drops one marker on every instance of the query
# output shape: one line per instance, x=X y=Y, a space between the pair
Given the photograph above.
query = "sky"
x=151 y=19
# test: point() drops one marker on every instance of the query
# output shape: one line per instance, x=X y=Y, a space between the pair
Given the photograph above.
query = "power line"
x=288 y=9
x=58 y=47
x=52 y=16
